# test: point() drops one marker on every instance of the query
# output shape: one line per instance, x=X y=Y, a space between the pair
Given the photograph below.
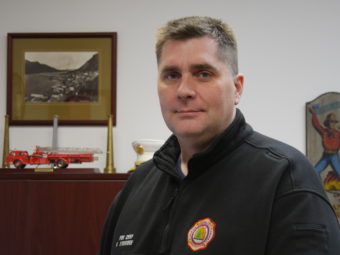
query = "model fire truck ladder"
x=69 y=150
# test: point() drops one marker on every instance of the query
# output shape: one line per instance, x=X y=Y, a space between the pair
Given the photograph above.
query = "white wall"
x=288 y=51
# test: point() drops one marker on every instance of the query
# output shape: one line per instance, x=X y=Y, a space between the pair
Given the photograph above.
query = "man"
x=216 y=186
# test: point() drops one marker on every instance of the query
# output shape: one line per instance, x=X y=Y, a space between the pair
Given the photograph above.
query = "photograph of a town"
x=61 y=76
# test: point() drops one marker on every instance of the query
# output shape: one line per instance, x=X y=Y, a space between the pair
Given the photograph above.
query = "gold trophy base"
x=109 y=170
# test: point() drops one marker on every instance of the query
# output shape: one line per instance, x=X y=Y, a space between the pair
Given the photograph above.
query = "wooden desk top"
x=60 y=174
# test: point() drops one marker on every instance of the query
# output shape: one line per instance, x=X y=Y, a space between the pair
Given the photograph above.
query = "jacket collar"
x=166 y=157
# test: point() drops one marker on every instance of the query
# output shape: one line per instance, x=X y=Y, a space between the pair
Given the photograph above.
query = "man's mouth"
x=188 y=112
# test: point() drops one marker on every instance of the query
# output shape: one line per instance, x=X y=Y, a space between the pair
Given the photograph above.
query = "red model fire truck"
x=47 y=155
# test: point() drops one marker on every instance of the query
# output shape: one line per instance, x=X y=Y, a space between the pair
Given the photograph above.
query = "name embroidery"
x=201 y=234
x=125 y=240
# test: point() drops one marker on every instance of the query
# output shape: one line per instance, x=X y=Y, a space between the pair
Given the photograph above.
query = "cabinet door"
x=54 y=217
x=14 y=217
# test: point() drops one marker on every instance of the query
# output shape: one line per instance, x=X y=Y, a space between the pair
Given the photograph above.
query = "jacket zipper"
x=167 y=235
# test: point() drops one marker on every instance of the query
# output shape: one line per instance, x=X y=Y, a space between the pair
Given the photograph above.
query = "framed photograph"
x=323 y=142
x=72 y=75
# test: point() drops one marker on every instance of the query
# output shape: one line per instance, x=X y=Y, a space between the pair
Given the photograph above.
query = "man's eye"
x=204 y=75
x=171 y=76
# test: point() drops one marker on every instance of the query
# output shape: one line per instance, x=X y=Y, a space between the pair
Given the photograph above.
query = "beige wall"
x=289 y=53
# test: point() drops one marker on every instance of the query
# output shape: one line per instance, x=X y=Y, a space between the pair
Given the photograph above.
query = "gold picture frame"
x=72 y=75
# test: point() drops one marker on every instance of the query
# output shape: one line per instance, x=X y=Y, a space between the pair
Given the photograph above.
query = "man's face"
x=197 y=90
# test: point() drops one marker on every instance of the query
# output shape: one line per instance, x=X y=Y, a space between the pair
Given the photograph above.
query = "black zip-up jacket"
x=247 y=194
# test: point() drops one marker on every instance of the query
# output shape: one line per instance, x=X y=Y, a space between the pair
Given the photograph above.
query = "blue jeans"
x=332 y=159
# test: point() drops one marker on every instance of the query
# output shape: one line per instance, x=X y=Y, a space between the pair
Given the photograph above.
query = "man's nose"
x=186 y=88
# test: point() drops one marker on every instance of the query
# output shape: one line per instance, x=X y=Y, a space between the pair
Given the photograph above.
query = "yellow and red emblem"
x=201 y=234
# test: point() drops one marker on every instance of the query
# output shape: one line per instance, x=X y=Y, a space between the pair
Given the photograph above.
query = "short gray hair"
x=195 y=27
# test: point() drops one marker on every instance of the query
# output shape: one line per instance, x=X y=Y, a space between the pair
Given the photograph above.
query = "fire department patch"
x=201 y=234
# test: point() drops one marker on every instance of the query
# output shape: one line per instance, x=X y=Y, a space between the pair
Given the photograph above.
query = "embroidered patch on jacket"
x=201 y=234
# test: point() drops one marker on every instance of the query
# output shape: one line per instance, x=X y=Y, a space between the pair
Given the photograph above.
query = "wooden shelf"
x=55 y=213
x=60 y=174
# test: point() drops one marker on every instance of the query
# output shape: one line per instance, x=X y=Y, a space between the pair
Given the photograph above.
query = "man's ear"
x=238 y=83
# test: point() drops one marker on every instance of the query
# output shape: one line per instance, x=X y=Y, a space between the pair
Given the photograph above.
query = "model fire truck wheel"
x=18 y=164
x=61 y=164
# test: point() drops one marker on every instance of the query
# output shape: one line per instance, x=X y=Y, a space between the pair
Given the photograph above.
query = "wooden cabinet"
x=57 y=213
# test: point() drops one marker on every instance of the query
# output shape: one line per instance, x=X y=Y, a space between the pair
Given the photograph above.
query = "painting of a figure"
x=323 y=142
x=330 y=142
